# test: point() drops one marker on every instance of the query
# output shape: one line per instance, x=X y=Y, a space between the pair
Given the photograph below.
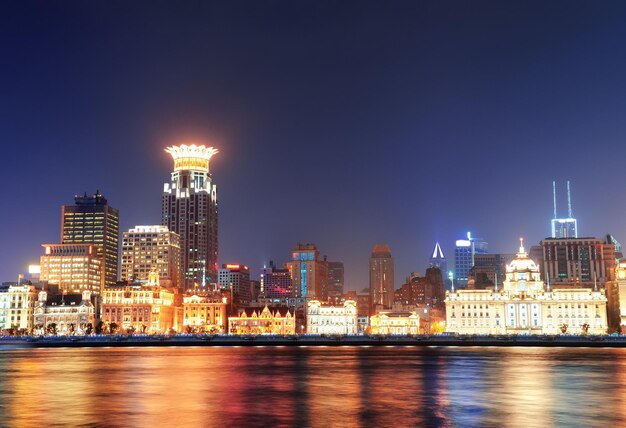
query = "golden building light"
x=191 y=157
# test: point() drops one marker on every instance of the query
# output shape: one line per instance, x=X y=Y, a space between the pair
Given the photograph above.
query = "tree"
x=144 y=328
x=89 y=328
x=72 y=329
x=100 y=327
x=130 y=330
x=563 y=328
x=52 y=329
x=113 y=328
x=585 y=328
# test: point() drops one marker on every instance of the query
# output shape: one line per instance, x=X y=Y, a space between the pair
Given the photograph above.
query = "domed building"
x=524 y=305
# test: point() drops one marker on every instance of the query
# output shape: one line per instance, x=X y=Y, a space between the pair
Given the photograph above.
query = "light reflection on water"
x=317 y=387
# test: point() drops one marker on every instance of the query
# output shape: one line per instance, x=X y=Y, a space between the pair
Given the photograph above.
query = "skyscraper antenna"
x=554 y=196
x=569 y=201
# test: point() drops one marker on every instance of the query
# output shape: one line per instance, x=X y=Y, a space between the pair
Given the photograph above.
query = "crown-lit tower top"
x=191 y=157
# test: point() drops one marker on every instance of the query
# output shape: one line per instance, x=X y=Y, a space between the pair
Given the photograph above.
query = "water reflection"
x=314 y=387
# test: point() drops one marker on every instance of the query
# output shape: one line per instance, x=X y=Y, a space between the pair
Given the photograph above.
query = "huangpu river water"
x=313 y=386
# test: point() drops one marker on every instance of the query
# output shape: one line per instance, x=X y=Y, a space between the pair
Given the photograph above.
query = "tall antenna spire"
x=569 y=201
x=554 y=196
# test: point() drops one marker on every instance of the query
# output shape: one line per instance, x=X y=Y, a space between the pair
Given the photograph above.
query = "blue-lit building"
x=464 y=253
x=309 y=274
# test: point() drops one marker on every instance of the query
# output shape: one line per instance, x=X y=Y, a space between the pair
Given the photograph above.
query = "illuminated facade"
x=144 y=308
x=263 y=321
x=145 y=248
x=391 y=322
x=621 y=283
x=73 y=267
x=189 y=208
x=16 y=307
x=91 y=220
x=236 y=277
x=522 y=305
x=204 y=314
x=381 y=278
x=564 y=227
x=309 y=274
x=70 y=314
x=330 y=319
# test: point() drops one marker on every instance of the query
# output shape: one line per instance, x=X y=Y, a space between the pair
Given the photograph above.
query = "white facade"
x=16 y=307
x=70 y=316
x=523 y=305
x=323 y=319
x=621 y=282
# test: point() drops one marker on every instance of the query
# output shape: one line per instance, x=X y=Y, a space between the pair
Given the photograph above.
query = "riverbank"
x=95 y=341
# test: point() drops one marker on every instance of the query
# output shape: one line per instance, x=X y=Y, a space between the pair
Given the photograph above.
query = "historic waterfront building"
x=189 y=209
x=145 y=248
x=263 y=321
x=73 y=267
x=142 y=308
x=524 y=305
x=330 y=319
x=621 y=282
x=64 y=314
x=393 y=322
x=204 y=314
x=16 y=307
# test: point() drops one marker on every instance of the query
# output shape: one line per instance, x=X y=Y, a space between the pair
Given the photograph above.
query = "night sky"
x=339 y=123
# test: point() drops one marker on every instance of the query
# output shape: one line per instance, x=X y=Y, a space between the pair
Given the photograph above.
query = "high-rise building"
x=381 y=278
x=237 y=278
x=149 y=248
x=422 y=291
x=335 y=279
x=582 y=263
x=464 y=254
x=564 y=227
x=276 y=283
x=309 y=274
x=74 y=268
x=190 y=209
x=91 y=220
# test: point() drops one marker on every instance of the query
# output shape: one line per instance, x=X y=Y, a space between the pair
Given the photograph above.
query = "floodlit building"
x=263 y=321
x=331 y=319
x=16 y=307
x=65 y=314
x=392 y=322
x=143 y=308
x=145 y=248
x=91 y=220
x=73 y=267
x=564 y=227
x=523 y=305
x=236 y=277
x=621 y=282
x=205 y=314
x=189 y=208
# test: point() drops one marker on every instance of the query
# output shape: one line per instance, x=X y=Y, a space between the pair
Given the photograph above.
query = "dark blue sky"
x=339 y=123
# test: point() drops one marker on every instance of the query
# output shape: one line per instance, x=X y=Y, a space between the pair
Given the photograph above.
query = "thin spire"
x=437 y=252
x=595 y=282
x=569 y=201
x=496 y=285
x=548 y=283
x=521 y=245
x=554 y=197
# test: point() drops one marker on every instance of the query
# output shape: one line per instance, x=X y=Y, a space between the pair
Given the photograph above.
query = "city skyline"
x=347 y=149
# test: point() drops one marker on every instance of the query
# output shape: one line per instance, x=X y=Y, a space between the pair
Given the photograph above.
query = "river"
x=313 y=386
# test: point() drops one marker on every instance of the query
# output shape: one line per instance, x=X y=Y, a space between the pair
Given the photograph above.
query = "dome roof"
x=381 y=249
x=522 y=263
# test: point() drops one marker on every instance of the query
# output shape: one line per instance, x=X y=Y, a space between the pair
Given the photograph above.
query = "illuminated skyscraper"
x=73 y=267
x=190 y=209
x=381 y=278
x=464 y=254
x=91 y=220
x=148 y=248
x=438 y=260
x=237 y=278
x=564 y=227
